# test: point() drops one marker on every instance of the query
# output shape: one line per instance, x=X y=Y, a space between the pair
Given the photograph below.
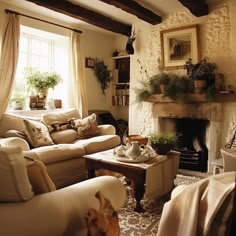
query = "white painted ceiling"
x=160 y=7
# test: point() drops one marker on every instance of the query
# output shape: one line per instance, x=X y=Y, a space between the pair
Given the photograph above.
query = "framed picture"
x=89 y=62
x=178 y=45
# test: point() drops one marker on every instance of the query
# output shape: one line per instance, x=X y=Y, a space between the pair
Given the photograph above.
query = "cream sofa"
x=61 y=212
x=63 y=151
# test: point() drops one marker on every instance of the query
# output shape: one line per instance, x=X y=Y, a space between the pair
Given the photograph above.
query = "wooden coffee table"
x=136 y=172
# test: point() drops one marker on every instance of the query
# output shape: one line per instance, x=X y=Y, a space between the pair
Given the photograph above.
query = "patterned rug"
x=146 y=223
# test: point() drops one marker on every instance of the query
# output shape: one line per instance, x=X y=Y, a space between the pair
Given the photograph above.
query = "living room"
x=216 y=34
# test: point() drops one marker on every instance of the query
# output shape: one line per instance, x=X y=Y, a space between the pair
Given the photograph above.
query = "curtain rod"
x=14 y=12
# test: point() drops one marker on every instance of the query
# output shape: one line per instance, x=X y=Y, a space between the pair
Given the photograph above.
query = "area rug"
x=146 y=224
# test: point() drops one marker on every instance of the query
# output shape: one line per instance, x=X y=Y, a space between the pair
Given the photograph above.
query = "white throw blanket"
x=202 y=208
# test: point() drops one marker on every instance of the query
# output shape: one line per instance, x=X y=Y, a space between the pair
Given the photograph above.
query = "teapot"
x=134 y=150
x=120 y=151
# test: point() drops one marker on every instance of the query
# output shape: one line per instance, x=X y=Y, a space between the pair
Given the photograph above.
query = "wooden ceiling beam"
x=196 y=7
x=136 y=9
x=86 y=15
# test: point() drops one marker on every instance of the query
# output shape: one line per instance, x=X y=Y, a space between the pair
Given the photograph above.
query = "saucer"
x=137 y=160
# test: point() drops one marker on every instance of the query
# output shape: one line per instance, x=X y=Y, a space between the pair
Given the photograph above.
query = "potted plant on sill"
x=40 y=82
x=202 y=73
x=162 y=142
x=17 y=101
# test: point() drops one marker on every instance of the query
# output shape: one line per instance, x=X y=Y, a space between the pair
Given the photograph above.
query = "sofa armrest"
x=61 y=212
x=15 y=141
x=106 y=129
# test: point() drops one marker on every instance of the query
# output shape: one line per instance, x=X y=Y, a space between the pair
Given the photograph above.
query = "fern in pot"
x=162 y=142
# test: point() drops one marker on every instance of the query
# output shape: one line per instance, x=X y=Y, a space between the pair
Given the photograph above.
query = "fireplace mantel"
x=193 y=98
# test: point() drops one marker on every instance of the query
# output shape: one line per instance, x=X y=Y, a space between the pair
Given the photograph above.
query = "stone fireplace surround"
x=208 y=111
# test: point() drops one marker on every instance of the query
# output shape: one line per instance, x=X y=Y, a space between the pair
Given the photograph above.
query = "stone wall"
x=216 y=42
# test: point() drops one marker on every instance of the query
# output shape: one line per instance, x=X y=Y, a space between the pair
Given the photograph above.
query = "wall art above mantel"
x=178 y=45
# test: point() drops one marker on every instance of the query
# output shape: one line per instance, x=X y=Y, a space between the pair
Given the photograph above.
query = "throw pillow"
x=38 y=177
x=14 y=182
x=86 y=127
x=37 y=133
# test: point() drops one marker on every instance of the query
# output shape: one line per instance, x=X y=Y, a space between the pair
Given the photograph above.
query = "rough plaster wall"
x=215 y=42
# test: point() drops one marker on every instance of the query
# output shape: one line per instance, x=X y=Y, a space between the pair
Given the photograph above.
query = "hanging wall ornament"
x=129 y=45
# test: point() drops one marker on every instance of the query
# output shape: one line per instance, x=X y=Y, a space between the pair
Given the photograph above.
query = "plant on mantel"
x=177 y=86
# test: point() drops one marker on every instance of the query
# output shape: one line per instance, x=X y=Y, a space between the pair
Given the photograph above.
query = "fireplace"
x=183 y=117
x=191 y=141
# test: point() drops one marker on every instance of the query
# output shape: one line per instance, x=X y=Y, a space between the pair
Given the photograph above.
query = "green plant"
x=203 y=70
x=178 y=87
x=103 y=74
x=162 y=138
x=41 y=80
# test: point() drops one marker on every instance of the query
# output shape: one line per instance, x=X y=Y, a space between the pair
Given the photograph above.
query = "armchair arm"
x=15 y=141
x=106 y=129
x=61 y=212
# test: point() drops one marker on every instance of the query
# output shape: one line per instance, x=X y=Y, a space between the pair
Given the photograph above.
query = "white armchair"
x=229 y=159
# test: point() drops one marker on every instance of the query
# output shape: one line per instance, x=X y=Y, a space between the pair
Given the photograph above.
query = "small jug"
x=134 y=150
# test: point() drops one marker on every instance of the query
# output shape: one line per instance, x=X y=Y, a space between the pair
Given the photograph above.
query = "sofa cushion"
x=13 y=122
x=86 y=127
x=64 y=136
x=57 y=153
x=14 y=182
x=99 y=143
x=63 y=117
x=39 y=178
x=37 y=133
x=15 y=133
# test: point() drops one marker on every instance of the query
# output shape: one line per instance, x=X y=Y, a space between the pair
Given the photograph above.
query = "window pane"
x=36 y=46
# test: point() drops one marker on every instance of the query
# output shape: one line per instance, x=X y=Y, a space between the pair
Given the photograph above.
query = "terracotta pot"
x=139 y=138
x=161 y=148
x=199 y=86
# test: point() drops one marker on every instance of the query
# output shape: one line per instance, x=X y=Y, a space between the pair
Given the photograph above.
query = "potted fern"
x=162 y=142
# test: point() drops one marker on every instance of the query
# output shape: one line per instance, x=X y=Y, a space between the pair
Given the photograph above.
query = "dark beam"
x=86 y=15
x=196 y=7
x=136 y=9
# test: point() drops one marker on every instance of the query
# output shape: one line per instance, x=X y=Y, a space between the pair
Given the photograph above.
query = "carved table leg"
x=138 y=195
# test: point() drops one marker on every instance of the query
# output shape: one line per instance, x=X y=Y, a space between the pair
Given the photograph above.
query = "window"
x=46 y=52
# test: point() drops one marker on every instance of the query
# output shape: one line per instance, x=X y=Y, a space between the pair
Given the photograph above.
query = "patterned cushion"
x=86 y=127
x=14 y=182
x=37 y=133
x=60 y=121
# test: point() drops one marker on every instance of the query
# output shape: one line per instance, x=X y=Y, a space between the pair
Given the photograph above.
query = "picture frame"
x=89 y=62
x=178 y=45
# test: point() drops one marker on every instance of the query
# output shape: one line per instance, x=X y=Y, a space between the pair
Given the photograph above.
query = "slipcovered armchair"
x=204 y=208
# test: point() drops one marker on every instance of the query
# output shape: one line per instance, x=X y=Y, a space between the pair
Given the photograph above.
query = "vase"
x=42 y=93
x=199 y=86
x=163 y=88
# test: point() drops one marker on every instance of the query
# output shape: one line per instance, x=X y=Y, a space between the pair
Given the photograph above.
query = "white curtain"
x=77 y=88
x=9 y=59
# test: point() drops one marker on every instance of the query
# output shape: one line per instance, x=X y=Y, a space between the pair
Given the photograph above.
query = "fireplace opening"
x=191 y=141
